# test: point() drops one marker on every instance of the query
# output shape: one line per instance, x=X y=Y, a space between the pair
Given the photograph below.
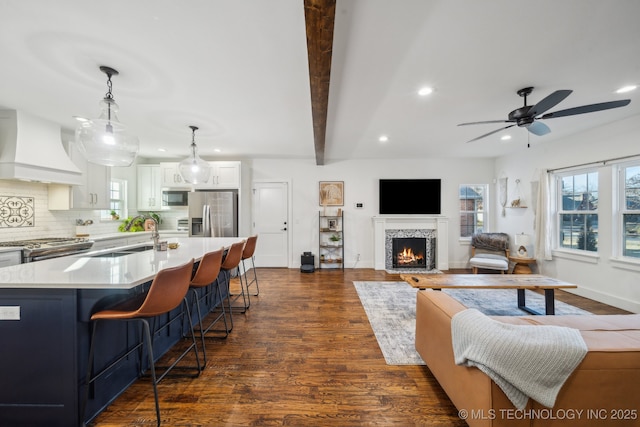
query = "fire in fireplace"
x=409 y=252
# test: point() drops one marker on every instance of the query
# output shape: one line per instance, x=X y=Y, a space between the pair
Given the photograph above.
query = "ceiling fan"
x=528 y=115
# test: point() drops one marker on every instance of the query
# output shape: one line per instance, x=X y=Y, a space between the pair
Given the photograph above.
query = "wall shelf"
x=331 y=252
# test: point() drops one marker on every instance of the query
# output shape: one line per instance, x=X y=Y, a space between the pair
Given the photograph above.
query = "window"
x=117 y=199
x=578 y=211
x=630 y=210
x=472 y=209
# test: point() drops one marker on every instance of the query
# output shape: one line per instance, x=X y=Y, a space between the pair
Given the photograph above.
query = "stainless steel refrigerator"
x=213 y=213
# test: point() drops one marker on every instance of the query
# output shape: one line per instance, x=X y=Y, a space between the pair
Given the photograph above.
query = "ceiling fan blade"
x=587 y=109
x=486 y=122
x=549 y=102
x=490 y=133
x=538 y=128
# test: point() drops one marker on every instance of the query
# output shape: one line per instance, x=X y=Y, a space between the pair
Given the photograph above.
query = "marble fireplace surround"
x=382 y=223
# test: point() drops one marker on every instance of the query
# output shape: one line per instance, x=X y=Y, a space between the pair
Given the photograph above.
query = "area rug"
x=391 y=309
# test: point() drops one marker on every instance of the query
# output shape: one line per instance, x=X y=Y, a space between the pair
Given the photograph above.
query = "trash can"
x=307 y=262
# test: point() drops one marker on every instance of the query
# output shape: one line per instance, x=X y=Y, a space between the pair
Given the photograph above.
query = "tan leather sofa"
x=603 y=391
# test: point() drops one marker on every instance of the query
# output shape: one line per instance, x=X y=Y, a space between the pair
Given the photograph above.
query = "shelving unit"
x=331 y=241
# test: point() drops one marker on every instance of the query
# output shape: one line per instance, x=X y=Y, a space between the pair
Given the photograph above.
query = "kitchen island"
x=45 y=309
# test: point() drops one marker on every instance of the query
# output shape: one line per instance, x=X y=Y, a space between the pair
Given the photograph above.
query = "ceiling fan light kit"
x=193 y=169
x=105 y=141
x=527 y=116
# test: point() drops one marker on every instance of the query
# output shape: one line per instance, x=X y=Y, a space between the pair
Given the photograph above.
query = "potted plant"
x=114 y=215
x=156 y=217
x=138 y=225
x=335 y=238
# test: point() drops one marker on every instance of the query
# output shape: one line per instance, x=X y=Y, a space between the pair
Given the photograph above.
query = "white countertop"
x=86 y=272
x=122 y=235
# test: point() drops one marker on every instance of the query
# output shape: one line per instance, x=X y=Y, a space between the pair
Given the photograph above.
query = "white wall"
x=598 y=278
x=361 y=185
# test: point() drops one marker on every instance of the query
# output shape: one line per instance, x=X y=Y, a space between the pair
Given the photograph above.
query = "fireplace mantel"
x=399 y=222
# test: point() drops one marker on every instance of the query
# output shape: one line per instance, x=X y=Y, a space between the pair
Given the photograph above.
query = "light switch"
x=9 y=312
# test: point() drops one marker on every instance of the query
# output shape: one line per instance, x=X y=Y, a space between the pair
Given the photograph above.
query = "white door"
x=271 y=223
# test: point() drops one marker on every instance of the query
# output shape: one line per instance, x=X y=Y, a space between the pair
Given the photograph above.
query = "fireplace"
x=432 y=228
x=409 y=252
x=410 y=249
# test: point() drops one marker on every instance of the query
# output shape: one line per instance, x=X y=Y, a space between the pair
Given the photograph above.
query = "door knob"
x=284 y=229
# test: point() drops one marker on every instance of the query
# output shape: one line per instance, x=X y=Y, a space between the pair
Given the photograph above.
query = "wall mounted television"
x=409 y=197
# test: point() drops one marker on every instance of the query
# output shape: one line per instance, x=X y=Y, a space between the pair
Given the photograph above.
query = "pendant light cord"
x=193 y=140
x=109 y=95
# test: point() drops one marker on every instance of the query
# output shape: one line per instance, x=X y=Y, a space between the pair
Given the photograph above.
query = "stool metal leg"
x=254 y=279
x=147 y=336
x=245 y=302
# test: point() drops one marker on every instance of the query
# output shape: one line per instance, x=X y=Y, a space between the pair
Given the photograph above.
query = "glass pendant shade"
x=104 y=140
x=193 y=169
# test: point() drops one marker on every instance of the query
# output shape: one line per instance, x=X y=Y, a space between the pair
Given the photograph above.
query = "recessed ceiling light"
x=506 y=137
x=217 y=150
x=80 y=119
x=383 y=138
x=162 y=149
x=627 y=89
x=425 y=91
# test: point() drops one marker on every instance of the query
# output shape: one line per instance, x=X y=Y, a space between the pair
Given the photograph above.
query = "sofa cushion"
x=492 y=261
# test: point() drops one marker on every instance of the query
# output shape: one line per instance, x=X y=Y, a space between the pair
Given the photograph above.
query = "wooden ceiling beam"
x=319 y=20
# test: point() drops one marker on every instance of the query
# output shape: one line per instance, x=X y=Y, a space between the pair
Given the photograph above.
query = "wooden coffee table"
x=520 y=282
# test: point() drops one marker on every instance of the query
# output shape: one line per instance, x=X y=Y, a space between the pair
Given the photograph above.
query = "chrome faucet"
x=155 y=234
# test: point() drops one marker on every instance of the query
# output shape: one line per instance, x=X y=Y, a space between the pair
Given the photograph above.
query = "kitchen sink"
x=111 y=255
x=139 y=248
x=123 y=251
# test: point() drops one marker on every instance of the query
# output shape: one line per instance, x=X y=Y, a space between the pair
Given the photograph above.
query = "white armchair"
x=490 y=251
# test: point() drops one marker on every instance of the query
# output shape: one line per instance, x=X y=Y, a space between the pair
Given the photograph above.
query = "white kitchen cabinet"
x=10 y=258
x=92 y=194
x=170 y=175
x=149 y=195
x=225 y=175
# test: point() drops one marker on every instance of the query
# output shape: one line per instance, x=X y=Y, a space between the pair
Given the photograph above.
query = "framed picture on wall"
x=331 y=193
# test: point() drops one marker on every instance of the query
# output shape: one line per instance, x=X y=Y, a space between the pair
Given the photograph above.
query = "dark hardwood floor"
x=302 y=355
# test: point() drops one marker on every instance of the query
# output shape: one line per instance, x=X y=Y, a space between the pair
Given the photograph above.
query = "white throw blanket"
x=526 y=361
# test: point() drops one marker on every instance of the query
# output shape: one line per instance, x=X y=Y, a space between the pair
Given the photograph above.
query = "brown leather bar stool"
x=206 y=277
x=248 y=254
x=231 y=261
x=167 y=291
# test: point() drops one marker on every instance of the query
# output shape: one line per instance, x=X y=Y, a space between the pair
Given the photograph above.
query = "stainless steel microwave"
x=175 y=198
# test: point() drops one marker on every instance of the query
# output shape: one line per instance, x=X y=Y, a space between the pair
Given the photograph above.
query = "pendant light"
x=104 y=140
x=193 y=169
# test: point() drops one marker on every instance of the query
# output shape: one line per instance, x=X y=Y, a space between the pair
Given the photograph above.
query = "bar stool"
x=248 y=254
x=206 y=277
x=167 y=291
x=230 y=263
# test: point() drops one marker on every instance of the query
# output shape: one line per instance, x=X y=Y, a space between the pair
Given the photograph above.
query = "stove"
x=50 y=247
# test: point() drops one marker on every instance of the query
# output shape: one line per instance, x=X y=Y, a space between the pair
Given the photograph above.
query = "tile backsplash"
x=16 y=211
x=48 y=223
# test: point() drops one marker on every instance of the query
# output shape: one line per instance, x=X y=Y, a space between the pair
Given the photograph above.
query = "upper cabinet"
x=149 y=188
x=92 y=194
x=224 y=176
x=170 y=175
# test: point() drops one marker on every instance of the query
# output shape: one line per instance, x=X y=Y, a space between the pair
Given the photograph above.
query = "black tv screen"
x=409 y=196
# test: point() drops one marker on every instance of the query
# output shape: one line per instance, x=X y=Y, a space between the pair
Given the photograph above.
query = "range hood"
x=31 y=150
